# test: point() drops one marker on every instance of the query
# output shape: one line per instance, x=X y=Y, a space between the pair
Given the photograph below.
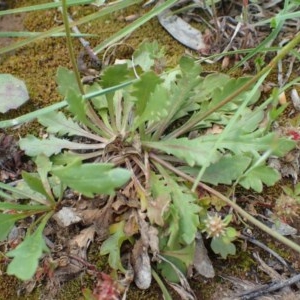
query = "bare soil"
x=233 y=276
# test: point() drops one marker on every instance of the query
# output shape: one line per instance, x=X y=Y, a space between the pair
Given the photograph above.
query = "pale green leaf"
x=258 y=176
x=182 y=214
x=146 y=55
x=224 y=171
x=143 y=89
x=157 y=106
x=90 y=179
x=194 y=152
x=114 y=75
x=34 y=146
x=56 y=122
x=112 y=246
x=232 y=85
x=66 y=79
x=184 y=203
x=27 y=254
x=77 y=106
x=34 y=183
x=222 y=246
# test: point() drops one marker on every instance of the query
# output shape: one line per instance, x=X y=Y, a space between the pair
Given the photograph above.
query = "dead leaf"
x=202 y=263
x=156 y=209
x=66 y=217
x=79 y=244
x=141 y=265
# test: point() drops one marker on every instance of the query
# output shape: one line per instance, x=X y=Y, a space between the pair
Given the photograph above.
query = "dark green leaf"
x=259 y=176
x=112 y=246
x=90 y=179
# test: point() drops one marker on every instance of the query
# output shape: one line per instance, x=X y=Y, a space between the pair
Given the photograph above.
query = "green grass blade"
x=42 y=7
x=35 y=114
x=105 y=11
x=13 y=34
x=134 y=25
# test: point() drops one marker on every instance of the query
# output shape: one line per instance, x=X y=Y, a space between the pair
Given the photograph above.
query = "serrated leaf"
x=157 y=106
x=232 y=85
x=222 y=246
x=27 y=254
x=112 y=246
x=66 y=79
x=90 y=179
x=56 y=122
x=194 y=152
x=13 y=92
x=189 y=66
x=146 y=54
x=34 y=146
x=210 y=83
x=187 y=211
x=258 y=176
x=182 y=214
x=224 y=171
x=114 y=75
x=7 y=221
x=77 y=105
x=143 y=89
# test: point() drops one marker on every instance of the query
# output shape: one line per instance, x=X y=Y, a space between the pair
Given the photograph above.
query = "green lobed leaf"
x=258 y=176
x=231 y=85
x=27 y=254
x=57 y=122
x=220 y=245
x=48 y=147
x=194 y=152
x=182 y=215
x=224 y=171
x=90 y=179
x=66 y=79
x=143 y=89
x=77 y=105
x=157 y=106
x=114 y=75
x=183 y=202
x=112 y=246
x=146 y=55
